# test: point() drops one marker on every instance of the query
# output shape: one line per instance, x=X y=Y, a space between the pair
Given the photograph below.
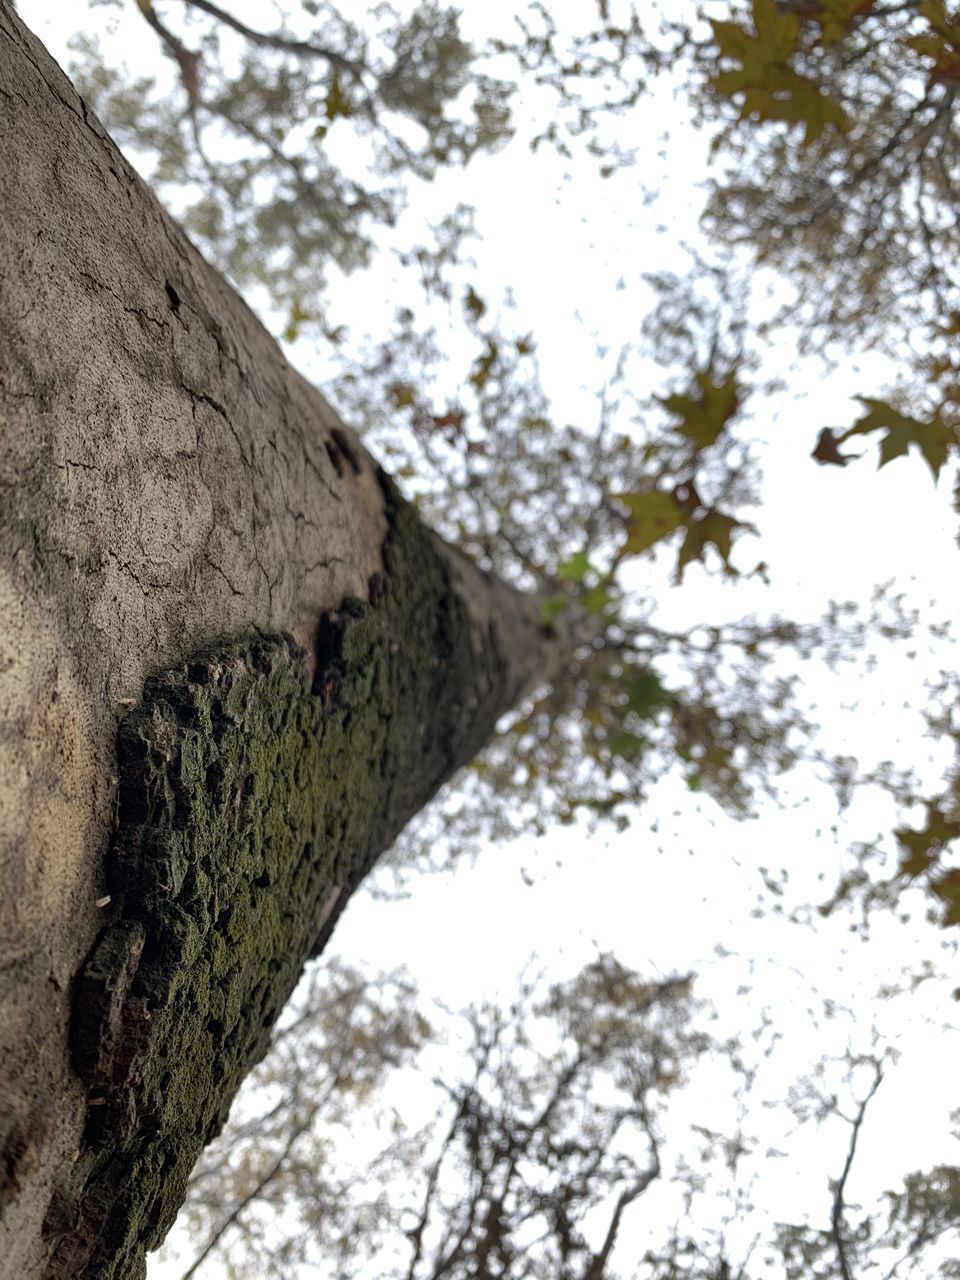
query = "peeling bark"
x=194 y=549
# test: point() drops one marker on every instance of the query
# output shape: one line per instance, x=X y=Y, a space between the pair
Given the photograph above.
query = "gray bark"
x=170 y=487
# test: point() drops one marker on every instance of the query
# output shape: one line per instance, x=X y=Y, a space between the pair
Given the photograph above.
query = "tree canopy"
x=553 y=1119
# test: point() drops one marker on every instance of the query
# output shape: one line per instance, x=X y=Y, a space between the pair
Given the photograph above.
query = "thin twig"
x=267 y=40
x=836 y=1217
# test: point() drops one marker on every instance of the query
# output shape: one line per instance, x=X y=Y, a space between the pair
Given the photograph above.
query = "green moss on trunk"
x=252 y=801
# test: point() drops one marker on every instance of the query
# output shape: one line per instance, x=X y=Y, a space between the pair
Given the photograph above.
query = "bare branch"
x=836 y=1218
x=267 y=40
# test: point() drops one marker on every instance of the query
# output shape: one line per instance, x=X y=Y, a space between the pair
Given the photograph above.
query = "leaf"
x=451 y=422
x=932 y=438
x=402 y=395
x=777 y=32
x=923 y=847
x=947 y=889
x=627 y=746
x=575 y=569
x=935 y=13
x=336 y=102
x=771 y=89
x=297 y=316
x=828 y=450
x=473 y=304
x=714 y=529
x=653 y=516
x=552 y=607
x=944 y=54
x=646 y=695
x=705 y=413
x=837 y=17
x=483 y=365
x=597 y=599
x=809 y=106
x=942 y=45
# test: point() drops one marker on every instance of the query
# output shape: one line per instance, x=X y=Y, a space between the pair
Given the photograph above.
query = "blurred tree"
x=836 y=129
x=546 y=1137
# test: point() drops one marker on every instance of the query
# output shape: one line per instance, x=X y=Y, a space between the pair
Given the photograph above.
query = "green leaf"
x=297 y=316
x=483 y=365
x=598 y=599
x=714 y=529
x=771 y=88
x=705 y=413
x=575 y=569
x=733 y=42
x=836 y=18
x=777 y=32
x=653 y=516
x=646 y=695
x=627 y=746
x=943 y=48
x=552 y=607
x=933 y=438
x=810 y=106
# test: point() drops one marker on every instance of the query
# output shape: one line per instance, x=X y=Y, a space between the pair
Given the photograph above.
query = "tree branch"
x=836 y=1217
x=266 y=40
x=248 y=1199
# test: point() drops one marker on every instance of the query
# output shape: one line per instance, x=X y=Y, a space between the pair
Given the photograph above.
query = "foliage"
x=858 y=214
x=275 y=1159
x=241 y=141
x=545 y=1145
x=768 y=86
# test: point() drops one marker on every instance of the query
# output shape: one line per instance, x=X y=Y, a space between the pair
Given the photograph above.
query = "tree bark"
x=195 y=551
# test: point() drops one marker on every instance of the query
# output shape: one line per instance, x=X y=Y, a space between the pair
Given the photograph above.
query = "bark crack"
x=201 y=397
x=143 y=316
x=209 y=560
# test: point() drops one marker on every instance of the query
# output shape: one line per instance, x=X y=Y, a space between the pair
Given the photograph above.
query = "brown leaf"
x=828 y=451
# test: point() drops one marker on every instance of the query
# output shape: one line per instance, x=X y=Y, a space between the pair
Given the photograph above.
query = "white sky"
x=684 y=880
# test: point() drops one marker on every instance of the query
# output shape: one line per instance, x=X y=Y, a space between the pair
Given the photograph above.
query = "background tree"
x=552 y=1125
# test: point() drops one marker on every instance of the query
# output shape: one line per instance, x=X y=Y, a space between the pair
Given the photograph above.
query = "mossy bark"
x=253 y=798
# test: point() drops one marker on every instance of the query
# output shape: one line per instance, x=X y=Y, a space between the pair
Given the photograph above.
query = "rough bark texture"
x=195 y=549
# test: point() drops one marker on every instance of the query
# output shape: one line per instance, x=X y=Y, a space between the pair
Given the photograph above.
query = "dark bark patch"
x=249 y=810
x=335 y=456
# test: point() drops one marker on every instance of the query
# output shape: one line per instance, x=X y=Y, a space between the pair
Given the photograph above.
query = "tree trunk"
x=195 y=550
